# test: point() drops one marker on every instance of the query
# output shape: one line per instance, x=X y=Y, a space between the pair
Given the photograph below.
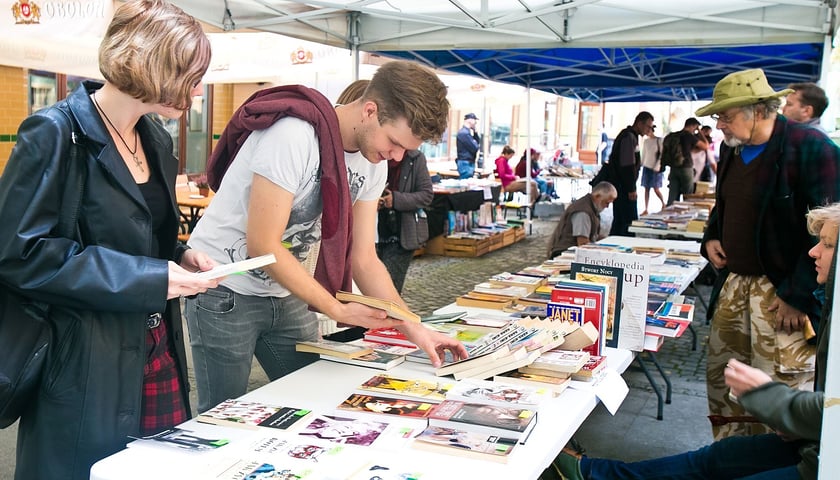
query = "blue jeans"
x=754 y=457
x=228 y=329
x=466 y=168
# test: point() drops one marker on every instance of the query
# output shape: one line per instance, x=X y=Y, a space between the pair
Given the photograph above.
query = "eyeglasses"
x=723 y=118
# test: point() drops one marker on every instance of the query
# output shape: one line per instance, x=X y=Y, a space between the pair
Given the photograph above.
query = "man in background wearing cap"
x=806 y=104
x=467 y=147
x=771 y=172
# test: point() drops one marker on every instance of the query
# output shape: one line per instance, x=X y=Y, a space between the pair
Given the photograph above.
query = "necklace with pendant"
x=132 y=152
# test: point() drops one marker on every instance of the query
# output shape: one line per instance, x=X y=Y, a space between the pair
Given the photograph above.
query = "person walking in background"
x=707 y=174
x=314 y=175
x=466 y=144
x=805 y=104
x=624 y=165
x=581 y=222
x=792 y=451
x=403 y=227
x=511 y=182
x=772 y=171
x=652 y=171
x=117 y=368
x=677 y=150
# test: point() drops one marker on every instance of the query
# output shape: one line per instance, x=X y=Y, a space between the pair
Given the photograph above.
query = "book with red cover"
x=390 y=336
x=589 y=295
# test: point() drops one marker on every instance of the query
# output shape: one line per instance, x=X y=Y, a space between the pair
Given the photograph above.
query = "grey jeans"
x=228 y=329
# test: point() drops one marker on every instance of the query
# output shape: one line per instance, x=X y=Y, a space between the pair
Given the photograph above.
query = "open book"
x=237 y=267
x=393 y=310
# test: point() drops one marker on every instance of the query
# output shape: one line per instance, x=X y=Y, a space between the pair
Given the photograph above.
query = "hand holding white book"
x=237 y=267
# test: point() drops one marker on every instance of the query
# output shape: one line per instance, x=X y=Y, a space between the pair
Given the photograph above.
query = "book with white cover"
x=498 y=393
x=237 y=267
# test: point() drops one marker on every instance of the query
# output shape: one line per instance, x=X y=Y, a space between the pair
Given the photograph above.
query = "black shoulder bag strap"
x=74 y=188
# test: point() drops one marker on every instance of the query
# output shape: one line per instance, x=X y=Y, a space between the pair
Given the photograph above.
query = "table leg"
x=664 y=377
x=656 y=389
x=702 y=300
x=693 y=337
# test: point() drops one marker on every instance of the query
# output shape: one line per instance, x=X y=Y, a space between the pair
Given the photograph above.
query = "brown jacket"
x=562 y=237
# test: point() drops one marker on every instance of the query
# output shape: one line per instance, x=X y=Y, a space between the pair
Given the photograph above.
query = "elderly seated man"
x=581 y=222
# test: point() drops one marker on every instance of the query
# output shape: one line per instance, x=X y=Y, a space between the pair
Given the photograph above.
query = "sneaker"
x=567 y=465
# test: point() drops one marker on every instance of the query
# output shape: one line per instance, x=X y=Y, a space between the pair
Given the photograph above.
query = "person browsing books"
x=118 y=367
x=772 y=171
x=581 y=222
x=290 y=181
x=792 y=451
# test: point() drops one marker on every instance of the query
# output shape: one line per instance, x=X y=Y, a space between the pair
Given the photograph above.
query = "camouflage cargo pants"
x=743 y=329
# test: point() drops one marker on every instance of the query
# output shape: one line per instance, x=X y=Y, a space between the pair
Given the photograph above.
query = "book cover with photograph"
x=453 y=441
x=480 y=417
x=496 y=393
x=376 y=404
x=252 y=415
x=428 y=390
x=350 y=431
x=374 y=359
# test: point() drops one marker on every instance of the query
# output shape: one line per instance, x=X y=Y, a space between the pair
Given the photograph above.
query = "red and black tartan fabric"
x=163 y=404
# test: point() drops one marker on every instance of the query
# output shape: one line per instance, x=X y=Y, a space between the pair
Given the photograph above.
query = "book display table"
x=321 y=387
x=686 y=281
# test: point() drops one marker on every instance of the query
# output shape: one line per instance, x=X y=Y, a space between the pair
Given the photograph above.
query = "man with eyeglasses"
x=771 y=173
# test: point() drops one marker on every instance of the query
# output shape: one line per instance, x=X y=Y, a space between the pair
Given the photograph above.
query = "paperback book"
x=393 y=309
x=683 y=312
x=236 y=268
x=482 y=418
x=389 y=336
x=380 y=405
x=501 y=394
x=666 y=328
x=590 y=296
x=561 y=361
x=253 y=415
x=612 y=279
x=350 y=431
x=463 y=443
x=409 y=388
x=333 y=348
x=634 y=291
x=591 y=369
x=179 y=438
x=515 y=377
x=375 y=359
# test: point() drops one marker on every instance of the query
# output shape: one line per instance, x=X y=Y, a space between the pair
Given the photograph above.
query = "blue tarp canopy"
x=627 y=74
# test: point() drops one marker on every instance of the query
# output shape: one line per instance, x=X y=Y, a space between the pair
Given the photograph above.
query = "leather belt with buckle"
x=153 y=320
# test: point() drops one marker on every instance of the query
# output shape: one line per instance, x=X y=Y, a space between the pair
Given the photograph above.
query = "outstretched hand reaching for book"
x=353 y=313
x=434 y=343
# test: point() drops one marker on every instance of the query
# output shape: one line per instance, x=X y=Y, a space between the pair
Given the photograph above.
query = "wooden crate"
x=496 y=241
x=465 y=247
x=509 y=237
x=519 y=233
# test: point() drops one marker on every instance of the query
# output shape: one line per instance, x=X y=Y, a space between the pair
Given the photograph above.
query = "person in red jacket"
x=511 y=182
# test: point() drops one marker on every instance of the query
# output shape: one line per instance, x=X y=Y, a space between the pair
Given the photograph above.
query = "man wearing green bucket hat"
x=771 y=173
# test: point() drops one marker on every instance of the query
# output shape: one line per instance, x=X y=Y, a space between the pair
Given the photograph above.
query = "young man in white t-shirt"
x=270 y=202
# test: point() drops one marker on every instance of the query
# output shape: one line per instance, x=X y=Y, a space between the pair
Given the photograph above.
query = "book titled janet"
x=252 y=415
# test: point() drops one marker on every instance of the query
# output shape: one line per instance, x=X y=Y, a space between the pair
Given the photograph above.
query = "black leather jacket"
x=100 y=293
